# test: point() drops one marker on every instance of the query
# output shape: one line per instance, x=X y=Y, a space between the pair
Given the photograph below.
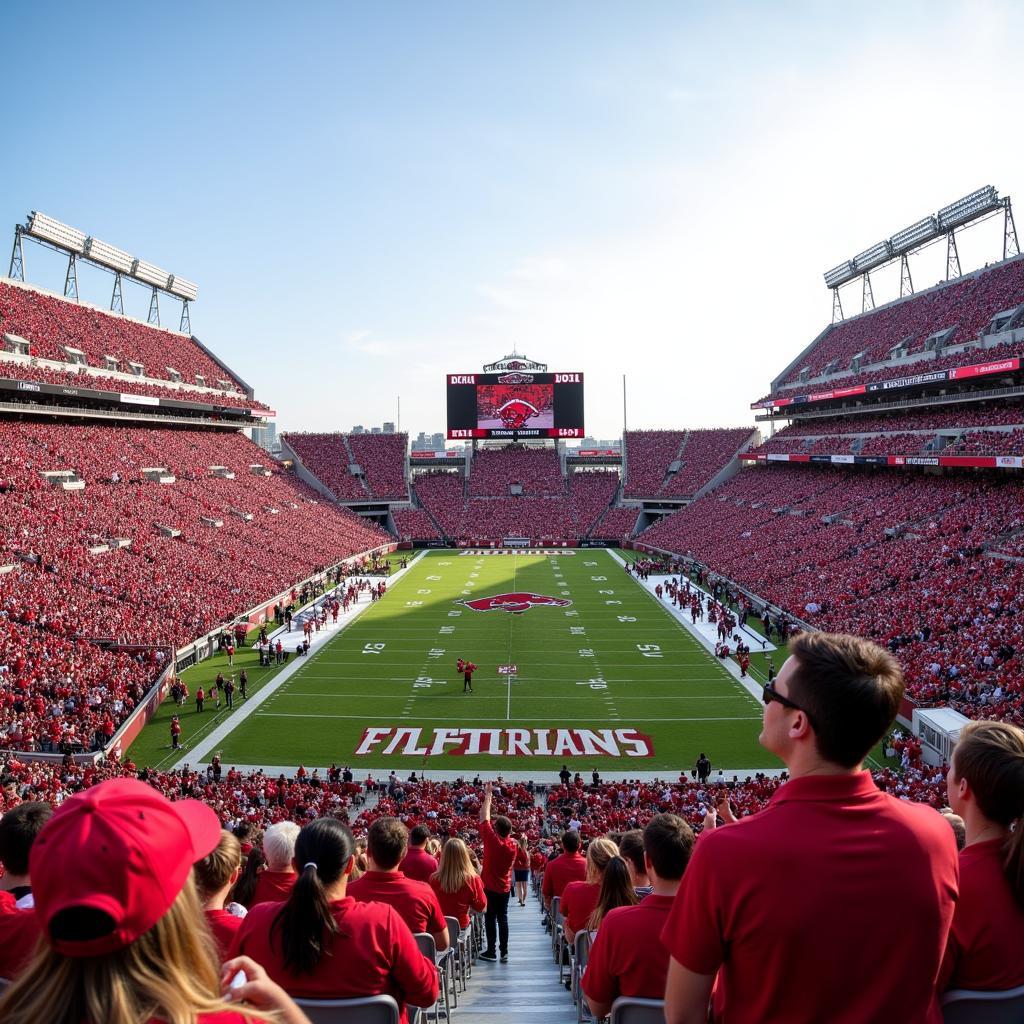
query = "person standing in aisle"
x=499 y=856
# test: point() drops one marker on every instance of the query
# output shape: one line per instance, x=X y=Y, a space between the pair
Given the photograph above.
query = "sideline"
x=704 y=632
x=211 y=740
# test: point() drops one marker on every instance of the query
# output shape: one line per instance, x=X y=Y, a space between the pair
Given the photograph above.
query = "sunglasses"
x=769 y=694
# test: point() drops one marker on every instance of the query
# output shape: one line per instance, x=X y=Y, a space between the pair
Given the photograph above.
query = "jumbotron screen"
x=515 y=405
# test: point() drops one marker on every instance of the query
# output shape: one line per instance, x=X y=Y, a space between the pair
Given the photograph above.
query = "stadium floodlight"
x=108 y=256
x=840 y=275
x=184 y=289
x=150 y=275
x=917 y=234
x=873 y=257
x=57 y=233
x=968 y=207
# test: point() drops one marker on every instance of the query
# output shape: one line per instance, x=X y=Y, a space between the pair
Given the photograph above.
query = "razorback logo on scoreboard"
x=516 y=378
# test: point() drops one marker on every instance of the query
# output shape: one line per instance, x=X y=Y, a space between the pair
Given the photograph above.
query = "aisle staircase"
x=525 y=989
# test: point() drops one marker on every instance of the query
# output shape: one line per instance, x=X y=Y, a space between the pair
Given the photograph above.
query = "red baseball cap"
x=121 y=848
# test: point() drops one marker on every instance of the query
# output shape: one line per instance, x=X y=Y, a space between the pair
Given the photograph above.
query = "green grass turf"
x=583 y=670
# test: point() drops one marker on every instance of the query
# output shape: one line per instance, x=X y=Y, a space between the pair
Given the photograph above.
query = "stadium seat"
x=445 y=964
x=365 y=1010
x=962 y=1006
x=633 y=1010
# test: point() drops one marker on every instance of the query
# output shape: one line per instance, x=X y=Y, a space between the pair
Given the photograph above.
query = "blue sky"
x=372 y=195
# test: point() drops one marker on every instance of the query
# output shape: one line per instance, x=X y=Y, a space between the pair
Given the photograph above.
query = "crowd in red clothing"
x=93 y=563
x=51 y=325
x=702 y=454
x=537 y=470
x=75 y=376
x=953 y=615
x=381 y=457
x=968 y=304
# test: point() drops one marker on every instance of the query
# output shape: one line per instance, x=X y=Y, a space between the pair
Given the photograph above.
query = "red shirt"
x=418 y=864
x=19 y=933
x=415 y=901
x=624 y=961
x=790 y=903
x=578 y=902
x=522 y=861
x=273 y=886
x=986 y=943
x=565 y=868
x=499 y=856
x=372 y=953
x=458 y=904
x=223 y=925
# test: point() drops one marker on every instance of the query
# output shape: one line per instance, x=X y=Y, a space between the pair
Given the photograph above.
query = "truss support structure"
x=17 y=268
x=71 y=279
x=154 y=307
x=1010 y=245
x=867 y=300
x=906 y=282
x=952 y=257
x=837 y=307
x=186 y=320
x=117 y=298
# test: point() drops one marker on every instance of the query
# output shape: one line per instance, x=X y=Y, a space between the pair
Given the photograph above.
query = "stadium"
x=520 y=657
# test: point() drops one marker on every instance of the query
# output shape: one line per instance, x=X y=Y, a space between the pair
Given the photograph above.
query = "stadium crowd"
x=902 y=559
x=650 y=883
x=381 y=457
x=967 y=304
x=52 y=325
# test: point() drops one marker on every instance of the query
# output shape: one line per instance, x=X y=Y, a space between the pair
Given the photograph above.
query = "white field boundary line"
x=212 y=739
x=695 y=630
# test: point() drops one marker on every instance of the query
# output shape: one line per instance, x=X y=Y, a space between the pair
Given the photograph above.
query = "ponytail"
x=616 y=891
x=990 y=756
x=245 y=887
x=306 y=924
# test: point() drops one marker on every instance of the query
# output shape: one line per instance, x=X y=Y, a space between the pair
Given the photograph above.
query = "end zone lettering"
x=412 y=741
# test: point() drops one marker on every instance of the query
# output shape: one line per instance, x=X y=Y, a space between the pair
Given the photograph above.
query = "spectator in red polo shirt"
x=19 y=926
x=276 y=879
x=215 y=874
x=985 y=785
x=623 y=960
x=459 y=888
x=568 y=866
x=417 y=863
x=323 y=944
x=784 y=906
x=499 y=856
x=386 y=844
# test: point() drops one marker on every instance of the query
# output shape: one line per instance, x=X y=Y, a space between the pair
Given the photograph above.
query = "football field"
x=575 y=662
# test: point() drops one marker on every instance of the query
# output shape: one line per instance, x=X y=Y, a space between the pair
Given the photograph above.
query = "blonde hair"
x=456 y=867
x=214 y=871
x=599 y=853
x=170 y=974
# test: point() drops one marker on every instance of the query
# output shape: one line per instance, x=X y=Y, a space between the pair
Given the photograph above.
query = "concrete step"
x=526 y=988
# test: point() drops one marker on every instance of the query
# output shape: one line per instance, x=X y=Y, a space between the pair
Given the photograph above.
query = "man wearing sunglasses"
x=783 y=906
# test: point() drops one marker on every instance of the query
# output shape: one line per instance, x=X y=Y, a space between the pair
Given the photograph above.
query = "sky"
x=372 y=195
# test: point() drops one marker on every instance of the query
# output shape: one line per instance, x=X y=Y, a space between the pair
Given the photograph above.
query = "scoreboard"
x=515 y=405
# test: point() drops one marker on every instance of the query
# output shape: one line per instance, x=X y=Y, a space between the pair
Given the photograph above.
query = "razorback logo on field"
x=515 y=603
